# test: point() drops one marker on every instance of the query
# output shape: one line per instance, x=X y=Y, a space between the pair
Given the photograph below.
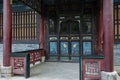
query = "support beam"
x=108 y=34
x=7 y=31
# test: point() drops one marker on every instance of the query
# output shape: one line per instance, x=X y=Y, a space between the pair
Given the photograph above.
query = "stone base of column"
x=6 y=71
x=109 y=75
x=43 y=59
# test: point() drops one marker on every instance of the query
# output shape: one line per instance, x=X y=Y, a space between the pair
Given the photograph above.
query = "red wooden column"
x=42 y=27
x=42 y=32
x=100 y=34
x=7 y=31
x=108 y=34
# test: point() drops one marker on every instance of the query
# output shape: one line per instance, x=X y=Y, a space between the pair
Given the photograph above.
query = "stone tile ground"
x=51 y=71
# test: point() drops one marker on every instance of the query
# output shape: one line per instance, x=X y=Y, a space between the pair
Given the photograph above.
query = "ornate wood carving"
x=20 y=61
x=92 y=68
x=18 y=64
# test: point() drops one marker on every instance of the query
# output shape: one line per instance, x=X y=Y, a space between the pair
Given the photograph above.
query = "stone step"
x=5 y=71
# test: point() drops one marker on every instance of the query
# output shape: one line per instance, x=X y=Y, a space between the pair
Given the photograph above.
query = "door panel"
x=64 y=48
x=64 y=51
x=53 y=48
x=75 y=51
x=87 y=48
x=75 y=47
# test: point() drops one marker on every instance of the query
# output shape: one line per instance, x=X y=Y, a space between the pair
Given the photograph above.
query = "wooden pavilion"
x=67 y=30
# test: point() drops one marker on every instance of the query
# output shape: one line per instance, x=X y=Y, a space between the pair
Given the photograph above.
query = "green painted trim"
x=93 y=57
x=27 y=74
x=18 y=55
x=80 y=67
x=22 y=53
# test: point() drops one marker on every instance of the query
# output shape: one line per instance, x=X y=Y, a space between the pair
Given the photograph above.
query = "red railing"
x=20 y=61
x=91 y=67
x=36 y=55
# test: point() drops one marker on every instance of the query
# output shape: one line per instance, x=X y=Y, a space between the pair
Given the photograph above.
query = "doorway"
x=69 y=40
x=66 y=46
x=71 y=35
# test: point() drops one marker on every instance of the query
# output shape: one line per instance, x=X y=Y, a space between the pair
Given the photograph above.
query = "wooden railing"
x=91 y=67
x=20 y=61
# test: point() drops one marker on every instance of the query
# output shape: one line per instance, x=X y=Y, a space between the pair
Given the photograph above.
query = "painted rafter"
x=34 y=4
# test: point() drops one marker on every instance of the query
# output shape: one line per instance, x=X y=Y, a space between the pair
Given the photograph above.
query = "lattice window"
x=24 y=25
x=117 y=22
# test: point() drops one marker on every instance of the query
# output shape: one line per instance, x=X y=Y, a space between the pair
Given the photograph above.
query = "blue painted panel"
x=64 y=48
x=53 y=48
x=87 y=48
x=75 y=48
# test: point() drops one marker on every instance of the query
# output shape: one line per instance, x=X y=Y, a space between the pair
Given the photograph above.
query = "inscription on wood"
x=92 y=68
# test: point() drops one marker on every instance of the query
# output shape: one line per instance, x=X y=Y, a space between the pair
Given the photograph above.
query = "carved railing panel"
x=35 y=56
x=20 y=61
x=31 y=57
x=19 y=65
x=91 y=67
